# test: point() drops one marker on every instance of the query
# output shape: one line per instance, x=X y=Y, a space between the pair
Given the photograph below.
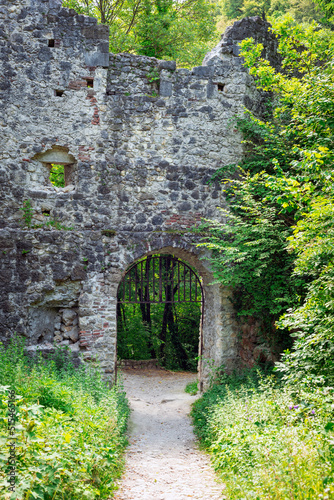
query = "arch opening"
x=159 y=313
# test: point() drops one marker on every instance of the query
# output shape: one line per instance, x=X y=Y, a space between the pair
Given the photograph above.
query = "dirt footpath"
x=163 y=461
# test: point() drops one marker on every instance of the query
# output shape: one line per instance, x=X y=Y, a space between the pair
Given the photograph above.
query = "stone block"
x=203 y=71
x=236 y=49
x=210 y=90
x=73 y=335
x=169 y=65
x=97 y=59
x=97 y=32
x=166 y=88
x=75 y=347
x=58 y=337
x=68 y=316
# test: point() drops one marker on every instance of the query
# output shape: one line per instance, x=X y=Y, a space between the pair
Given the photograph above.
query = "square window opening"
x=221 y=87
x=90 y=82
x=51 y=42
x=59 y=93
x=46 y=212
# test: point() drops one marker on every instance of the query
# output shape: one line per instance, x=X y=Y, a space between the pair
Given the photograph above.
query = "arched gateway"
x=136 y=170
x=218 y=333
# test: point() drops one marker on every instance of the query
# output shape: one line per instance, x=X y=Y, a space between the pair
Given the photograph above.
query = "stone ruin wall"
x=138 y=156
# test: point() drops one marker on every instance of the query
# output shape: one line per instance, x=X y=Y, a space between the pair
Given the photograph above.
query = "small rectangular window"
x=57 y=175
x=51 y=42
x=90 y=82
x=59 y=93
x=221 y=87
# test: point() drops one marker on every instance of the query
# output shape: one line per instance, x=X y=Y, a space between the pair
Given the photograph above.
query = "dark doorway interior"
x=159 y=308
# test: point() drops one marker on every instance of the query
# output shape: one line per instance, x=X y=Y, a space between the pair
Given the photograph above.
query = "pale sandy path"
x=163 y=461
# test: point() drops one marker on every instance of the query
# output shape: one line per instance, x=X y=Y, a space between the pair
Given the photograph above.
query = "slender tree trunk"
x=145 y=308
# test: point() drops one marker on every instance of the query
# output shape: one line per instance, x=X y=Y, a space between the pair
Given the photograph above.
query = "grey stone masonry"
x=139 y=140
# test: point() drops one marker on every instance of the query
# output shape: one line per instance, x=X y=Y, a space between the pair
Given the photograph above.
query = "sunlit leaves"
x=284 y=200
x=266 y=439
x=166 y=29
x=69 y=439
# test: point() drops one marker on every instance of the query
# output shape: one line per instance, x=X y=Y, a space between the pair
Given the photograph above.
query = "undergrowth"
x=268 y=440
x=192 y=388
x=70 y=428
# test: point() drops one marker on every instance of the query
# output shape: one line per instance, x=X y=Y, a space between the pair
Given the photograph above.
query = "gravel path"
x=163 y=461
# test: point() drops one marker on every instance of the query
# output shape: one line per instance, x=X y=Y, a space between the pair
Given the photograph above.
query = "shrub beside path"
x=163 y=461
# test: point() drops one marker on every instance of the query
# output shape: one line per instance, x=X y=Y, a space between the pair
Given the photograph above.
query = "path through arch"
x=163 y=461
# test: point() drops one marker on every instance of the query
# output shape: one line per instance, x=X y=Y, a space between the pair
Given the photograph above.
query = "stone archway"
x=98 y=304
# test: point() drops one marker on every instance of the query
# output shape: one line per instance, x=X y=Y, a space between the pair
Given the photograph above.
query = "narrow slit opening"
x=51 y=42
x=90 y=82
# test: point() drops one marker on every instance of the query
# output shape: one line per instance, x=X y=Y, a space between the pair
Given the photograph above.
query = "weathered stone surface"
x=68 y=316
x=138 y=155
x=73 y=334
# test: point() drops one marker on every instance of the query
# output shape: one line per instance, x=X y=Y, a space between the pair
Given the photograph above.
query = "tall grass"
x=267 y=440
x=69 y=431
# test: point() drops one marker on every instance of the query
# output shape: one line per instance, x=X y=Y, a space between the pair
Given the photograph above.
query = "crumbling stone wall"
x=139 y=140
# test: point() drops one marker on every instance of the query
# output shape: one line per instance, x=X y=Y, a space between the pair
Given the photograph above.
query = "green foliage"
x=312 y=323
x=153 y=75
x=134 y=339
x=301 y=10
x=249 y=252
x=57 y=175
x=306 y=50
x=161 y=327
x=249 y=246
x=171 y=30
x=327 y=7
x=279 y=231
x=165 y=29
x=192 y=388
x=69 y=431
x=28 y=212
x=137 y=339
x=268 y=440
x=308 y=187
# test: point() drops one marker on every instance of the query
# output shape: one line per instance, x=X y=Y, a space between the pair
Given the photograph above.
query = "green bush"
x=268 y=441
x=192 y=388
x=69 y=431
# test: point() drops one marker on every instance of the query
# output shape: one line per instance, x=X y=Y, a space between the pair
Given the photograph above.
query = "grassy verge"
x=192 y=388
x=69 y=429
x=267 y=440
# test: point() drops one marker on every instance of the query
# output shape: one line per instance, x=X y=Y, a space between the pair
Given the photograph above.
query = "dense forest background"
x=159 y=312
x=185 y=31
